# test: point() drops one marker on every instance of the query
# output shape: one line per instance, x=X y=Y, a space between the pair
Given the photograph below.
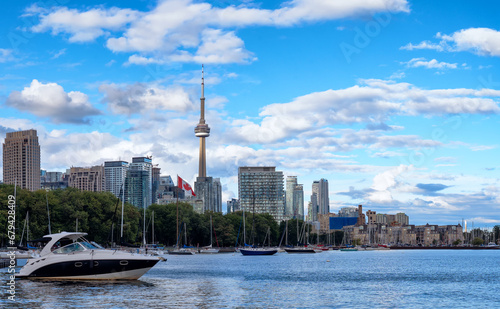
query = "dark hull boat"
x=303 y=250
x=258 y=251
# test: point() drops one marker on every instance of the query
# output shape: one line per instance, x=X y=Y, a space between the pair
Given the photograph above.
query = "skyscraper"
x=144 y=164
x=323 y=199
x=260 y=189
x=298 y=202
x=115 y=173
x=21 y=159
x=207 y=189
x=319 y=198
x=137 y=187
x=291 y=182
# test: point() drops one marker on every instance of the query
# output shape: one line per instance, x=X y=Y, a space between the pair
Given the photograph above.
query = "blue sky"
x=395 y=102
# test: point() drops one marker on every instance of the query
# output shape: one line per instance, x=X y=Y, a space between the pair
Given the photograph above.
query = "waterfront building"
x=348 y=212
x=233 y=205
x=402 y=218
x=21 y=159
x=87 y=178
x=208 y=190
x=372 y=217
x=291 y=182
x=144 y=164
x=53 y=180
x=137 y=188
x=260 y=189
x=298 y=202
x=319 y=198
x=115 y=173
x=323 y=198
x=155 y=184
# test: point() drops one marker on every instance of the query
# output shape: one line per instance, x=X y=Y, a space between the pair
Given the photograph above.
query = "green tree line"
x=99 y=215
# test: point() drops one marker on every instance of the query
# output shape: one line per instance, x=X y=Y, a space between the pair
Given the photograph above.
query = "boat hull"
x=92 y=270
x=302 y=250
x=258 y=252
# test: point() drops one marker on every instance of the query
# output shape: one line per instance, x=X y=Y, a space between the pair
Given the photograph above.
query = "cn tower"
x=202 y=130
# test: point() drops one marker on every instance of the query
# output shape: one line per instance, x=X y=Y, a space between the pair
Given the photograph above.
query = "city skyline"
x=394 y=102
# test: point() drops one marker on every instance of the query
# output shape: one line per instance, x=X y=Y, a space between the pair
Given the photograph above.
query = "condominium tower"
x=115 y=172
x=21 y=159
x=260 y=189
x=319 y=198
x=87 y=178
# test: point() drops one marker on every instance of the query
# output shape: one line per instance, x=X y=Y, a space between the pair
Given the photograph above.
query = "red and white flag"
x=181 y=183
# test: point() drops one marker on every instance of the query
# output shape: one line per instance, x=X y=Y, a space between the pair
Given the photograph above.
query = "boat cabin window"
x=70 y=248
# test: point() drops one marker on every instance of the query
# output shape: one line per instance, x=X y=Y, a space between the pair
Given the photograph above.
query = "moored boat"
x=69 y=256
x=258 y=251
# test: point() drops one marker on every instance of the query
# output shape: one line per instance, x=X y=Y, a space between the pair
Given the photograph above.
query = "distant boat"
x=303 y=250
x=181 y=251
x=258 y=251
x=348 y=249
x=209 y=250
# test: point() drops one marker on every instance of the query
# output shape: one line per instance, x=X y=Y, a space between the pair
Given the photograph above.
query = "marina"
x=367 y=279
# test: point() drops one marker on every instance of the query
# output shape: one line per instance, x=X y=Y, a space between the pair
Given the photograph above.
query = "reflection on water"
x=383 y=279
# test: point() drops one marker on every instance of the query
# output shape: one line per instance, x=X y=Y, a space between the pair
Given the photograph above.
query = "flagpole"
x=177 y=225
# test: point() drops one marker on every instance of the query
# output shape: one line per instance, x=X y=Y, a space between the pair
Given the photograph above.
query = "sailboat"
x=209 y=249
x=302 y=249
x=261 y=251
x=258 y=251
x=182 y=251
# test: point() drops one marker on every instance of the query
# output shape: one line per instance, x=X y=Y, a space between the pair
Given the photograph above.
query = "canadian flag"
x=181 y=183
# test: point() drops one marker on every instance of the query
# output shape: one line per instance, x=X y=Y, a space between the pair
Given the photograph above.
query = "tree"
x=477 y=241
x=457 y=242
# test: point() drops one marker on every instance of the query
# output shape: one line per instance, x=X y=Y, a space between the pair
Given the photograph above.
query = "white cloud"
x=188 y=31
x=5 y=55
x=431 y=64
x=50 y=100
x=423 y=45
x=373 y=101
x=482 y=147
x=139 y=98
x=384 y=182
x=482 y=41
x=84 y=26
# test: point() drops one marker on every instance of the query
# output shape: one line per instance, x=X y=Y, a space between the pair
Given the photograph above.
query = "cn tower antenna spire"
x=202 y=83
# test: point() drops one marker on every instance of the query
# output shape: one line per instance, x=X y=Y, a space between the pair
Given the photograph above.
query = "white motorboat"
x=69 y=256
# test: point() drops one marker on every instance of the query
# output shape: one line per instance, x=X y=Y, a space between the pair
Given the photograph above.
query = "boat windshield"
x=88 y=245
x=74 y=247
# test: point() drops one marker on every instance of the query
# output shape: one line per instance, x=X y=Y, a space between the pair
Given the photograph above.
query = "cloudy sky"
x=395 y=102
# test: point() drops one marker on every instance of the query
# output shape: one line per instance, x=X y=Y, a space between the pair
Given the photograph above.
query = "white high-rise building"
x=115 y=173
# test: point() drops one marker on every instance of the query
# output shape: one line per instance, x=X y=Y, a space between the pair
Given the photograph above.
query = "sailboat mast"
x=144 y=226
x=244 y=230
x=48 y=212
x=153 y=232
x=123 y=206
x=210 y=230
x=177 y=224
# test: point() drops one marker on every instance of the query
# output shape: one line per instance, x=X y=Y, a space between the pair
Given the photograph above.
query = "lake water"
x=333 y=279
